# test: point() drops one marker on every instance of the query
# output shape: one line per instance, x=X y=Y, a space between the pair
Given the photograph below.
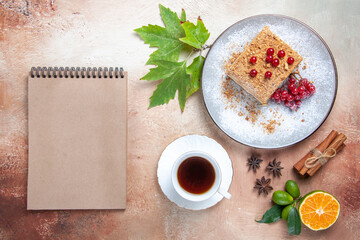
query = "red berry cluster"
x=292 y=92
x=270 y=59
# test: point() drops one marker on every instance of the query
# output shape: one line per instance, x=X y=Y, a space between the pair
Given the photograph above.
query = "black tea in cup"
x=196 y=175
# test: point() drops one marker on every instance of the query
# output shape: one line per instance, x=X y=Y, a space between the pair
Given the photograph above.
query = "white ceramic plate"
x=295 y=126
x=186 y=144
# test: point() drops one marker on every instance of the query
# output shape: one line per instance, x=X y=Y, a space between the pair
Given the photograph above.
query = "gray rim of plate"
x=332 y=59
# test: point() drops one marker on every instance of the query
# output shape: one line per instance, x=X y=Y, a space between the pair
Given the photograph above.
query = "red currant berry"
x=312 y=89
x=253 y=73
x=307 y=86
x=292 y=80
x=304 y=81
x=275 y=62
x=290 y=97
x=278 y=100
x=290 y=60
x=298 y=102
x=270 y=51
x=291 y=86
x=292 y=105
x=283 y=98
x=278 y=90
x=281 y=54
x=268 y=74
x=276 y=96
x=269 y=58
x=301 y=89
x=287 y=103
x=297 y=97
x=253 y=60
x=295 y=91
x=302 y=95
x=284 y=93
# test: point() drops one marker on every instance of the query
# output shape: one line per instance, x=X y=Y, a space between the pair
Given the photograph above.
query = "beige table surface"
x=99 y=33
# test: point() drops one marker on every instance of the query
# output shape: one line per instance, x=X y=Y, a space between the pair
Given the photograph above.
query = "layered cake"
x=263 y=65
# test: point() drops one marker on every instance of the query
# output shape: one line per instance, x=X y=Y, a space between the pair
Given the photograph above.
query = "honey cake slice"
x=259 y=86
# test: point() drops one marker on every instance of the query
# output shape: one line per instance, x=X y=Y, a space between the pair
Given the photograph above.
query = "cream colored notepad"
x=77 y=138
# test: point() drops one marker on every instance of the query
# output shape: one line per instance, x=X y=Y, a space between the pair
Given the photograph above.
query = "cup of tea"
x=196 y=176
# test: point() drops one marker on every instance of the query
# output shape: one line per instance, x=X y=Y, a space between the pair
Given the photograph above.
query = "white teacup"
x=214 y=189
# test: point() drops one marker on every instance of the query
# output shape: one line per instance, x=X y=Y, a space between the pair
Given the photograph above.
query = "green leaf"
x=272 y=215
x=195 y=71
x=294 y=222
x=183 y=16
x=165 y=39
x=171 y=21
x=164 y=70
x=196 y=36
x=174 y=78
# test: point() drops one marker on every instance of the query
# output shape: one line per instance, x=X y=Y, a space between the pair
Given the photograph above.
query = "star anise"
x=274 y=168
x=254 y=163
x=263 y=185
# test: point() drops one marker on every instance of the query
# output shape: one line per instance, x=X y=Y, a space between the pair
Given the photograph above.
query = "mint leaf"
x=165 y=39
x=272 y=215
x=294 y=222
x=195 y=71
x=174 y=78
x=196 y=36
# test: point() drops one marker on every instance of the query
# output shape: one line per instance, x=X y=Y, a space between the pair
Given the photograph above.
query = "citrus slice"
x=319 y=210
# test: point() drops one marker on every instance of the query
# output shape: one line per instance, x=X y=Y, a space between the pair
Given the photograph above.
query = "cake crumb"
x=270 y=126
x=237 y=100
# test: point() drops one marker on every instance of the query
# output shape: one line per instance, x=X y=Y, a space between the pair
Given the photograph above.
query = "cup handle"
x=224 y=193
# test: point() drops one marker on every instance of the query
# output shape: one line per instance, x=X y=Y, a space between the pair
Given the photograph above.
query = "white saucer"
x=181 y=146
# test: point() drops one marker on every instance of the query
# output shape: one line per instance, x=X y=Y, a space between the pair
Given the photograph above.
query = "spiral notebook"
x=77 y=138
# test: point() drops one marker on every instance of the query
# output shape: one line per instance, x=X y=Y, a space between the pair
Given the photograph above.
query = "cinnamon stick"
x=313 y=170
x=322 y=146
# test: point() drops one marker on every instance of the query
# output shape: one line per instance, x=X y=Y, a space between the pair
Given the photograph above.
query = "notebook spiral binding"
x=72 y=72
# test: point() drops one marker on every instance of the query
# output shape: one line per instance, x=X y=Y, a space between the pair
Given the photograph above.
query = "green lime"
x=285 y=212
x=282 y=198
x=292 y=188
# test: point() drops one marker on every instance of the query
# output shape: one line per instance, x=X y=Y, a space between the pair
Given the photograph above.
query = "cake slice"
x=262 y=86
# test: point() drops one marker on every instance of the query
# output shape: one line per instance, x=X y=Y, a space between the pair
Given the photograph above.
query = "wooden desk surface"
x=99 y=33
